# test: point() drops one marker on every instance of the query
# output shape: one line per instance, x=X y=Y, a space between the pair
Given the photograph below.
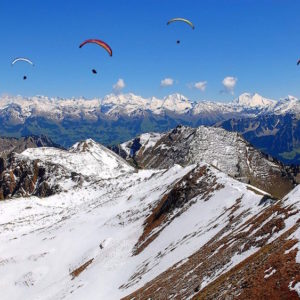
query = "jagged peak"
x=83 y=146
x=177 y=102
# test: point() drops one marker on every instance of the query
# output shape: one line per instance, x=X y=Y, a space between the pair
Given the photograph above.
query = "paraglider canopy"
x=18 y=59
x=98 y=42
x=181 y=20
x=298 y=63
x=94 y=71
x=178 y=42
x=24 y=77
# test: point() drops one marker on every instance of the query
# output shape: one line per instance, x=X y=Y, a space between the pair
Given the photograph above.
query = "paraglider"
x=298 y=63
x=98 y=42
x=22 y=59
x=181 y=20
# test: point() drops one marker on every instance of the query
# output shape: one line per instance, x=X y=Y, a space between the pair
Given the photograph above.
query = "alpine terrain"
x=149 y=150
x=83 y=223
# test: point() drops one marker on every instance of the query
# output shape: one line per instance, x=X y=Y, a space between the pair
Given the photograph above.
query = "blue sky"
x=257 y=42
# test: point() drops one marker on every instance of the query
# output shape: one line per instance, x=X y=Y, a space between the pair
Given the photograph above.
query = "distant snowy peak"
x=290 y=104
x=130 y=102
x=124 y=99
x=253 y=100
x=290 y=98
x=177 y=103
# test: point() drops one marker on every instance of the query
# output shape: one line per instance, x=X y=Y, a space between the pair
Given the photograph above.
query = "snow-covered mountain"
x=19 y=108
x=87 y=158
x=177 y=103
x=45 y=171
x=173 y=233
x=227 y=151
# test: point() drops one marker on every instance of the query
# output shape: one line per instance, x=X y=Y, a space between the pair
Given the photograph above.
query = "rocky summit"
x=229 y=152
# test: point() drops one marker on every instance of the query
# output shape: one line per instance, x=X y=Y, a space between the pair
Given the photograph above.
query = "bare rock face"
x=2 y=164
x=24 y=177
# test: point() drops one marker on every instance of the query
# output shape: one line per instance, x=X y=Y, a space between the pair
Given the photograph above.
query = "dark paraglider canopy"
x=98 y=42
x=24 y=77
x=298 y=63
x=178 y=42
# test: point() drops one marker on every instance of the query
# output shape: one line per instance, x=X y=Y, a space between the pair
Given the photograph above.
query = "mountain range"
x=185 y=223
x=272 y=126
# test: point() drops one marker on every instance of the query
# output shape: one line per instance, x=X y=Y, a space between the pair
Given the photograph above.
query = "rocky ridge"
x=229 y=152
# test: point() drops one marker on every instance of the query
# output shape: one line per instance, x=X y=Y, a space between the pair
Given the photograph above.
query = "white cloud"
x=167 y=82
x=201 y=85
x=119 y=85
x=229 y=83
